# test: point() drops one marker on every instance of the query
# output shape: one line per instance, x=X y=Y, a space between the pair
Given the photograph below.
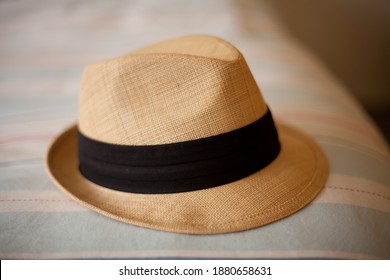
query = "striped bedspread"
x=44 y=46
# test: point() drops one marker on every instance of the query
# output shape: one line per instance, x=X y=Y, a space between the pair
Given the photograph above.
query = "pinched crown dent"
x=182 y=89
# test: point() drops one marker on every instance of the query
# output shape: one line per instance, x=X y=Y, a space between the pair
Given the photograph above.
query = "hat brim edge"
x=295 y=203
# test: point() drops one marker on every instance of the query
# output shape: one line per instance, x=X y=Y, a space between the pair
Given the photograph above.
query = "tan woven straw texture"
x=183 y=89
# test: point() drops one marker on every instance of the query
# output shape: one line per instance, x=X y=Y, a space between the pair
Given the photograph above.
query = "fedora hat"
x=177 y=137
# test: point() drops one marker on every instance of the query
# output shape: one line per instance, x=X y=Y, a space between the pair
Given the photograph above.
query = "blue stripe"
x=325 y=227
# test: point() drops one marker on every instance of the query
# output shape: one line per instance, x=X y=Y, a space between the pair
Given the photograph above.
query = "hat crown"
x=178 y=90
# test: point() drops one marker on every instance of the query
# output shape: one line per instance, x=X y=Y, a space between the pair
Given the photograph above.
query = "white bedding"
x=44 y=46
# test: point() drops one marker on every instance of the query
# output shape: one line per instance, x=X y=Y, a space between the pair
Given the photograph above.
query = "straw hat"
x=177 y=137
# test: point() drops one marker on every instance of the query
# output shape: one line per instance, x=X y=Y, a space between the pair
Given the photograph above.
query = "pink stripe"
x=96 y=21
x=40 y=59
x=36 y=86
x=363 y=129
x=20 y=162
x=42 y=113
x=25 y=138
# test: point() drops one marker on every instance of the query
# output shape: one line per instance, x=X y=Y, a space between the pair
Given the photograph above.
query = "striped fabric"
x=44 y=46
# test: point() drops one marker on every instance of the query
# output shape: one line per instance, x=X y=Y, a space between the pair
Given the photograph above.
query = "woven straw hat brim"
x=289 y=183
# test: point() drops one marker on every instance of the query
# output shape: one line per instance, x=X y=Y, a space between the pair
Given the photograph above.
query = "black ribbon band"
x=183 y=166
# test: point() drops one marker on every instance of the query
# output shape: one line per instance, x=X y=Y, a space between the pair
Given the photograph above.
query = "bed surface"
x=44 y=46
